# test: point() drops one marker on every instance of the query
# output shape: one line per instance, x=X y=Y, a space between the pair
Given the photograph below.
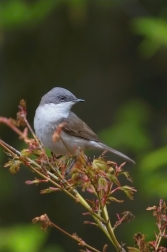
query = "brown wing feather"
x=75 y=129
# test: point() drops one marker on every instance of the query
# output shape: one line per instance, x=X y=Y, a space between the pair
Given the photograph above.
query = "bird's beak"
x=79 y=100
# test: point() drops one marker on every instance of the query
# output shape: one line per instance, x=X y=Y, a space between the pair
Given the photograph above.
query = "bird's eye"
x=62 y=98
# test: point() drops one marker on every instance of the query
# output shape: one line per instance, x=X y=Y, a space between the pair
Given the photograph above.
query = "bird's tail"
x=105 y=147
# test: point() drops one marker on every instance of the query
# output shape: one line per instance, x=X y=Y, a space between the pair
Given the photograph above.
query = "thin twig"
x=9 y=123
x=10 y=149
x=81 y=242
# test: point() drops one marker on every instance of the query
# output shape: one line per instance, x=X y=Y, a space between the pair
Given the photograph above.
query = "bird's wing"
x=82 y=130
x=76 y=127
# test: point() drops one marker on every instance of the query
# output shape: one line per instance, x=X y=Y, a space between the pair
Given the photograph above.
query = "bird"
x=55 y=109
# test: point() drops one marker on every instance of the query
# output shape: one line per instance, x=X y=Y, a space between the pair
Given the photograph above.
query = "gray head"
x=59 y=95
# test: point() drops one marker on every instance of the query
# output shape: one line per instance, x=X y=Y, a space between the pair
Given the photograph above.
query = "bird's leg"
x=74 y=159
x=55 y=157
x=70 y=167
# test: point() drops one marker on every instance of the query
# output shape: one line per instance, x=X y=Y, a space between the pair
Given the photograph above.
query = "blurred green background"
x=111 y=53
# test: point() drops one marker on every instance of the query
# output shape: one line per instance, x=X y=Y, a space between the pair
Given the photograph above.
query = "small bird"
x=54 y=109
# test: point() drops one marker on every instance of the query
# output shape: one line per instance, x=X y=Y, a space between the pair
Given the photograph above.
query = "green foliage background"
x=111 y=53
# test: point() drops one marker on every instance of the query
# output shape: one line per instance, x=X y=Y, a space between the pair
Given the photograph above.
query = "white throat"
x=54 y=112
x=60 y=110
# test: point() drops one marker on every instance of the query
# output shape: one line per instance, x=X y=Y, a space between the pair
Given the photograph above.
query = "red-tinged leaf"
x=37 y=152
x=152 y=243
x=116 y=200
x=8 y=154
x=102 y=184
x=127 y=175
x=9 y=163
x=111 y=163
x=91 y=190
x=45 y=222
x=15 y=166
x=99 y=164
x=25 y=152
x=36 y=181
x=129 y=191
x=110 y=170
x=151 y=208
x=13 y=121
x=120 y=168
x=49 y=190
x=114 y=179
x=22 y=104
x=140 y=241
x=81 y=243
x=54 y=189
x=90 y=172
x=21 y=114
x=44 y=191
x=30 y=182
x=133 y=249
x=125 y=217
x=75 y=235
x=91 y=223
x=105 y=248
x=57 y=133
x=87 y=213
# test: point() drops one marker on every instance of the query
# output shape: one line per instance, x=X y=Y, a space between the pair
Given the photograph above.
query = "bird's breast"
x=46 y=121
